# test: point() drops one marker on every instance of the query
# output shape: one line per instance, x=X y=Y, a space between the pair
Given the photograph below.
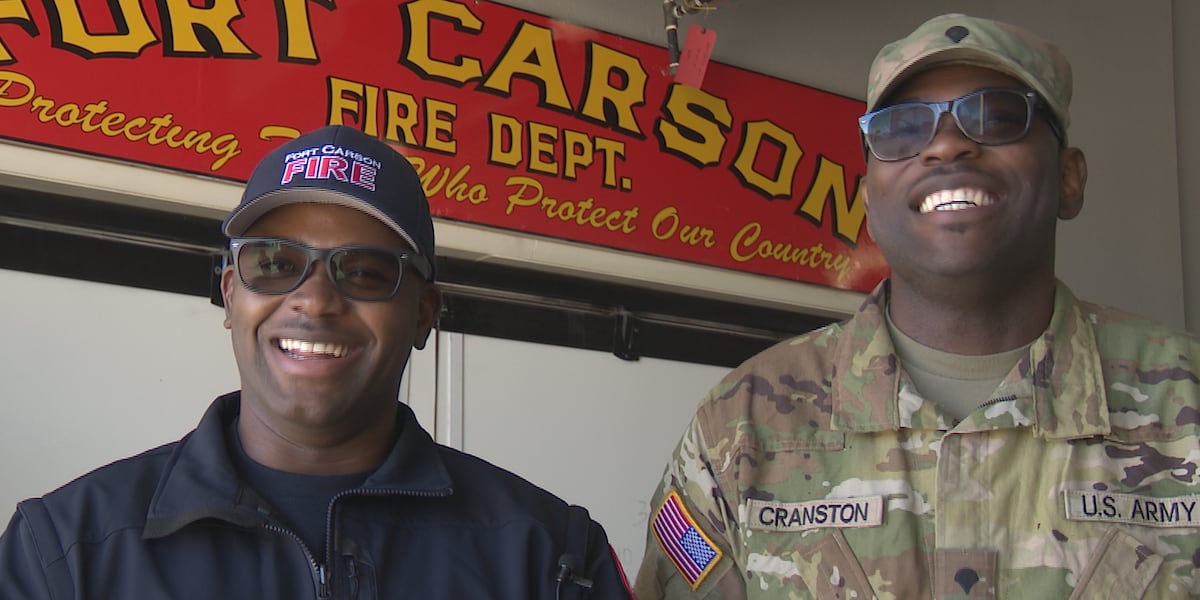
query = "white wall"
x=91 y=372
x=594 y=429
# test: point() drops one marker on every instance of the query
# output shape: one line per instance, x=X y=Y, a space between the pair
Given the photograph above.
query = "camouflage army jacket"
x=815 y=470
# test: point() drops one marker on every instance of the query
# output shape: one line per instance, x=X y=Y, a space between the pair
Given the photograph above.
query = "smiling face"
x=961 y=210
x=313 y=360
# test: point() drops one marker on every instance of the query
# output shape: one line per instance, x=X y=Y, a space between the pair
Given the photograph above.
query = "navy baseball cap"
x=344 y=166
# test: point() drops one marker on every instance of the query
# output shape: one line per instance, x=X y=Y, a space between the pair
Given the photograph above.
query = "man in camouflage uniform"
x=974 y=431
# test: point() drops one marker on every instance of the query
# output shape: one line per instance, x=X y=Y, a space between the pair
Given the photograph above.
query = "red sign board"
x=513 y=120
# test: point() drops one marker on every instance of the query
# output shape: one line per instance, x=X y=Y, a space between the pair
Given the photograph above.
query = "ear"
x=429 y=308
x=1072 y=177
x=228 y=282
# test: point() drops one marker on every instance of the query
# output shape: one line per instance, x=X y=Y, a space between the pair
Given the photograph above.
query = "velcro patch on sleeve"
x=692 y=552
x=1148 y=511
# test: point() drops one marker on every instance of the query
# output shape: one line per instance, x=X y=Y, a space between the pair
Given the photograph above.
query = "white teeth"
x=956 y=199
x=305 y=347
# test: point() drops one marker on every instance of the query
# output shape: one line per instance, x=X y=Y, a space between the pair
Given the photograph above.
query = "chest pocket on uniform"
x=1122 y=567
x=826 y=568
x=1143 y=543
x=790 y=550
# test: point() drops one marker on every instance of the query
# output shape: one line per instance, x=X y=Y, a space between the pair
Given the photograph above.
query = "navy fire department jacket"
x=176 y=523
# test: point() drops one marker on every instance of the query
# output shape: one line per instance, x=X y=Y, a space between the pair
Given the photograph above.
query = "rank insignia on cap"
x=681 y=538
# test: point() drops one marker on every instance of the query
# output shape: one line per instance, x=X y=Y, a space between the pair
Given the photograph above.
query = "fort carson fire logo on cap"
x=693 y=553
x=330 y=162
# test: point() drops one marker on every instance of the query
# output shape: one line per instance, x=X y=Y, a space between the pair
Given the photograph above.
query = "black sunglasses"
x=278 y=266
x=989 y=116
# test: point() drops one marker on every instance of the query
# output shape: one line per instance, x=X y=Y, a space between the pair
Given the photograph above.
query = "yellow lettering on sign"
x=746 y=246
x=527 y=192
x=778 y=184
x=356 y=100
x=437 y=180
x=95 y=117
x=189 y=30
x=183 y=22
x=359 y=102
x=417 y=52
x=439 y=126
x=694 y=125
x=553 y=151
x=71 y=32
x=666 y=226
x=578 y=149
x=830 y=182
x=530 y=54
x=14 y=11
x=402 y=115
x=7 y=79
x=543 y=139
x=616 y=83
x=295 y=36
x=506 y=135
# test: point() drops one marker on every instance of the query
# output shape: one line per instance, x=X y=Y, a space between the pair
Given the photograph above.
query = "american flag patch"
x=692 y=552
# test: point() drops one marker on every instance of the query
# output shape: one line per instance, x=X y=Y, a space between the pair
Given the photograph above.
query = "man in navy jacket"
x=313 y=481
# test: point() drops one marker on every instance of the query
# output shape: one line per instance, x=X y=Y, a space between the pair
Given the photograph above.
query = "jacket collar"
x=1065 y=372
x=201 y=482
x=1057 y=389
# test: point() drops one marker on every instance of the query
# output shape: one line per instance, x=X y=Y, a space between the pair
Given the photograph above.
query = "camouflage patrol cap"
x=960 y=39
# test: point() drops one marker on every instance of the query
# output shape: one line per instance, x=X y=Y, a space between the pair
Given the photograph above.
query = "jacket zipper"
x=998 y=400
x=323 y=590
x=320 y=571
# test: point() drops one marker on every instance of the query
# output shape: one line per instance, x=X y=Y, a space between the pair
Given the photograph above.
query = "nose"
x=949 y=143
x=317 y=294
